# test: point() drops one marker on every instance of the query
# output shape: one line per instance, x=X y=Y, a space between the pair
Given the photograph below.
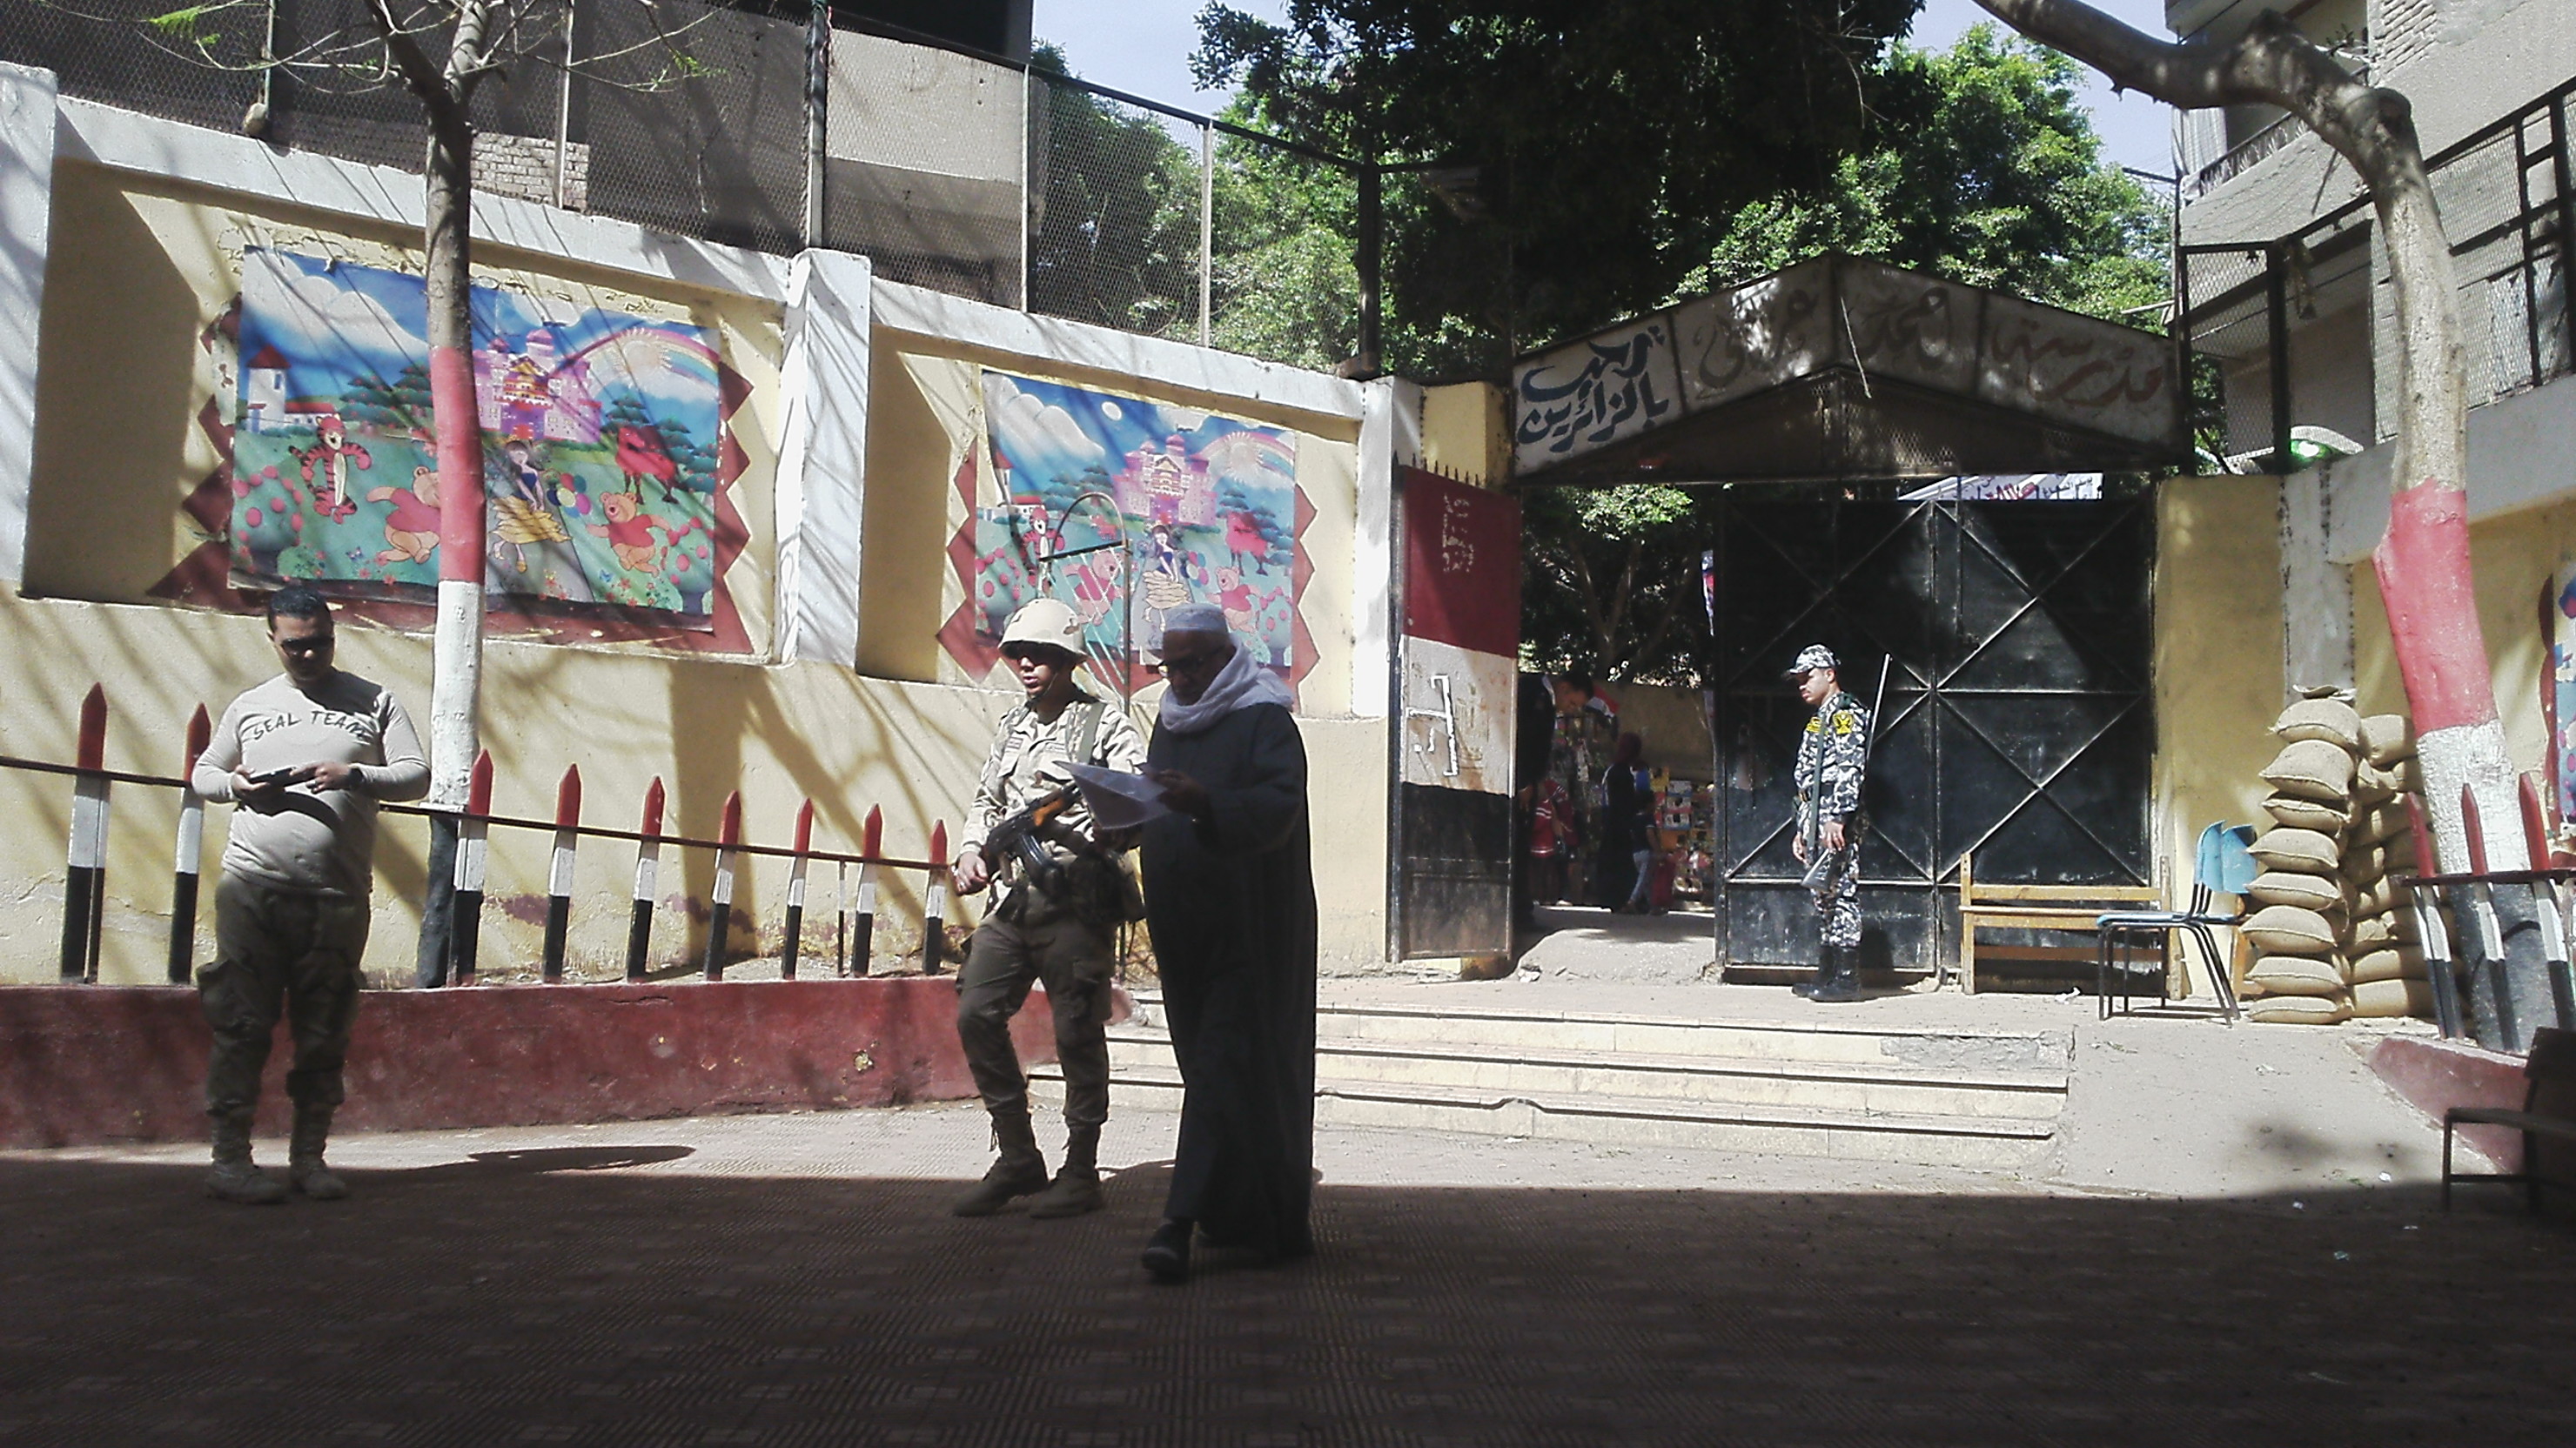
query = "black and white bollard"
x=559 y=872
x=473 y=846
x=934 y=903
x=648 y=870
x=189 y=856
x=727 y=855
x=863 y=919
x=85 y=877
x=796 y=891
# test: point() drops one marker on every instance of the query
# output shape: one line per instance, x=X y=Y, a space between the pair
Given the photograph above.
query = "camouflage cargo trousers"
x=280 y=953
x=1838 y=903
x=1039 y=940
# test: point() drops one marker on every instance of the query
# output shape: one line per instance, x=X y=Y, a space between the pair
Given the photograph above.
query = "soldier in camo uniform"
x=1831 y=756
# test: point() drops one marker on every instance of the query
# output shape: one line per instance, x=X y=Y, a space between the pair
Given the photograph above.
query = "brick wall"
x=524 y=167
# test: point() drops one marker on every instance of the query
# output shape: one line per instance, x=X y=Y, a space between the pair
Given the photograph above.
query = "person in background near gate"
x=1580 y=752
x=1230 y=895
x=304 y=759
x=1053 y=925
x=1831 y=756
x=1623 y=826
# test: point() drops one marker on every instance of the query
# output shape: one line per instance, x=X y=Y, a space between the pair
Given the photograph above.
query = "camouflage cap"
x=1812 y=658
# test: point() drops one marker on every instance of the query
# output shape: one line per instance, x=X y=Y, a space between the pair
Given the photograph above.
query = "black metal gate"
x=2018 y=722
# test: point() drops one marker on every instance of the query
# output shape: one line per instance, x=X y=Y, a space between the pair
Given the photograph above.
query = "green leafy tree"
x=1981 y=167
x=1588 y=153
x=1116 y=240
x=1610 y=581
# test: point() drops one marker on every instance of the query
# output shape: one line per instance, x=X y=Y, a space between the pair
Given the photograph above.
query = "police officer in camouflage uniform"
x=1831 y=756
x=1055 y=927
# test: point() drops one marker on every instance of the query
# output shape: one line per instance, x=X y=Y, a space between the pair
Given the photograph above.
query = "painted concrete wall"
x=2513 y=558
x=146 y=223
x=2217 y=660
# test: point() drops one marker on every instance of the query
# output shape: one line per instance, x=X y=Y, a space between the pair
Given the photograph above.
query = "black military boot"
x=304 y=1164
x=1021 y=1171
x=1076 y=1188
x=1809 y=988
x=1840 y=978
x=234 y=1177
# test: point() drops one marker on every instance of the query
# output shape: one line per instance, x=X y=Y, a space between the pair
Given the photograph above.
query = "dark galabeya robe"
x=1231 y=900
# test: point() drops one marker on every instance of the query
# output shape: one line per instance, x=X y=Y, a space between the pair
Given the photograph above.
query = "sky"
x=1144 y=46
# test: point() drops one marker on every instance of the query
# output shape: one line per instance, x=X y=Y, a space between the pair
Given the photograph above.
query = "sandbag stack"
x=2332 y=938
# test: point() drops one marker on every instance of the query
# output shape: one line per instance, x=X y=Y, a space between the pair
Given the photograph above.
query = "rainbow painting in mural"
x=601 y=438
x=1205 y=505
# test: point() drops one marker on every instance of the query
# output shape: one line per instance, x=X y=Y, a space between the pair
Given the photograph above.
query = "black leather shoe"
x=1167 y=1253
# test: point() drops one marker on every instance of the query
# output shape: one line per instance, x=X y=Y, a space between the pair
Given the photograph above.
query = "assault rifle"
x=1016 y=835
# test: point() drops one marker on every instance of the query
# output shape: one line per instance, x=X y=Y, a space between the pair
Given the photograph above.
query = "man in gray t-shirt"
x=303 y=758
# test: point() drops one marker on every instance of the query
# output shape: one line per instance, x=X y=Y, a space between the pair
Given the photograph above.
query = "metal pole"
x=818 y=112
x=2558 y=143
x=563 y=117
x=1207 y=228
x=1028 y=137
x=1371 y=226
x=2276 y=307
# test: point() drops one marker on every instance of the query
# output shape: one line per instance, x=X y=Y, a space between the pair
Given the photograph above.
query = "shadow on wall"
x=606 y=1302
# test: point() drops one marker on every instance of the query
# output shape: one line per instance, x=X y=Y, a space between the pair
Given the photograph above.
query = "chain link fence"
x=957 y=171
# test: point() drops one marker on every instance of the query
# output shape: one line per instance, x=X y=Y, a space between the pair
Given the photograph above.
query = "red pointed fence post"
x=796 y=891
x=473 y=852
x=189 y=855
x=85 y=869
x=728 y=836
x=934 y=904
x=863 y=920
x=2548 y=904
x=559 y=872
x=2491 y=1018
x=648 y=868
x=2429 y=930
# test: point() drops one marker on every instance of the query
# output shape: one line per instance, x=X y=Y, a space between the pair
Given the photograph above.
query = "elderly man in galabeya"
x=1230 y=895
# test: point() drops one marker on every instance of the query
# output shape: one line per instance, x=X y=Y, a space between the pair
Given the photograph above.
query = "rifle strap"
x=1087 y=743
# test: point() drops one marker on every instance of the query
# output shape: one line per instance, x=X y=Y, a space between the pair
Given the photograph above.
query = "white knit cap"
x=1195 y=618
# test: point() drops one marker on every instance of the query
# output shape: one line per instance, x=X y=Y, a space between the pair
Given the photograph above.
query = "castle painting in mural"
x=601 y=437
x=1206 y=507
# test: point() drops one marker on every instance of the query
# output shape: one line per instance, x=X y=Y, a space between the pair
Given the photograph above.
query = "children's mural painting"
x=1205 y=505
x=601 y=438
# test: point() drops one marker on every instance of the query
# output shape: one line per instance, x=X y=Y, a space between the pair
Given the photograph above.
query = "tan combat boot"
x=1076 y=1188
x=234 y=1177
x=1020 y=1172
x=304 y=1164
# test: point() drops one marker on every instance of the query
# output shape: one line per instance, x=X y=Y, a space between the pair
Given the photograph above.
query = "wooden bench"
x=2548 y=1110
x=2035 y=907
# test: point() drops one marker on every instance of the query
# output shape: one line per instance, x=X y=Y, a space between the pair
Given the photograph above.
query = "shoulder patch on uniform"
x=1845 y=721
x=1815 y=725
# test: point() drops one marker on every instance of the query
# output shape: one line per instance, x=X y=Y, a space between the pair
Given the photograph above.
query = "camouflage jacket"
x=1831 y=755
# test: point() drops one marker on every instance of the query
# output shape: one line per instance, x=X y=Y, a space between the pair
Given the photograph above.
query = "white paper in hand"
x=1118 y=800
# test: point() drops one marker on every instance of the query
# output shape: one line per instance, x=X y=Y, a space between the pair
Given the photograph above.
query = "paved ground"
x=795 y=1280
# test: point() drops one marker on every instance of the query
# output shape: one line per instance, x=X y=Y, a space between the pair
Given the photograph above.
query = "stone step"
x=1872 y=1088
x=1934 y=1048
x=1984 y=1143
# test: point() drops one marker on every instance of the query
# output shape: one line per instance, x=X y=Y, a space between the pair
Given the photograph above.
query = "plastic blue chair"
x=2224 y=865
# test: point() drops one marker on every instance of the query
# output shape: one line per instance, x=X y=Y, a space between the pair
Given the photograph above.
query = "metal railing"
x=992 y=178
x=2509 y=202
x=853 y=915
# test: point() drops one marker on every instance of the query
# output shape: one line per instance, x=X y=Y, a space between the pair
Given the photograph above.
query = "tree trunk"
x=445 y=93
x=2423 y=562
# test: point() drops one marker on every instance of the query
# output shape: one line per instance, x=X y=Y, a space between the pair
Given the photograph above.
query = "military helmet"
x=1044 y=623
